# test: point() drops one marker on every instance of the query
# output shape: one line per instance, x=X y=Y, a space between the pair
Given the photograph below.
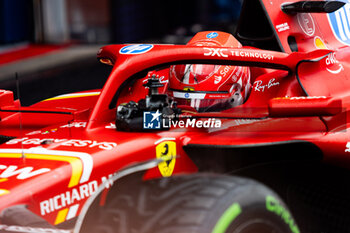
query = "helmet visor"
x=193 y=73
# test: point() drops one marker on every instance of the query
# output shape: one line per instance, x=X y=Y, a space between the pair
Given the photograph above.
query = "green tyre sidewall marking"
x=274 y=206
x=227 y=218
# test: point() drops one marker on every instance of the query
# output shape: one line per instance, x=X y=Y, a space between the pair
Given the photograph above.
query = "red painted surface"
x=72 y=153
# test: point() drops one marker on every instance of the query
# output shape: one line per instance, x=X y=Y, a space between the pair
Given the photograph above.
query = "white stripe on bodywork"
x=73 y=210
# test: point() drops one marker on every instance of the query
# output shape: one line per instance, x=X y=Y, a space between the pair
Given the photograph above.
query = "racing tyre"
x=191 y=204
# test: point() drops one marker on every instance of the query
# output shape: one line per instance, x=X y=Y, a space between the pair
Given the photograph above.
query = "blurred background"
x=52 y=44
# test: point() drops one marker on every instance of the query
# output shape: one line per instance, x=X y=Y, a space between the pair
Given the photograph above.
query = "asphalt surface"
x=72 y=69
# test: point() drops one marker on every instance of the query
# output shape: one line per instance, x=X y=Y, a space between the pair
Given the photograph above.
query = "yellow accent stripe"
x=61 y=216
x=4 y=192
x=3 y=180
x=77 y=166
x=71 y=96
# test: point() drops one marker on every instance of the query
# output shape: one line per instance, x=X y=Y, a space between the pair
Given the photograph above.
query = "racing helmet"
x=207 y=87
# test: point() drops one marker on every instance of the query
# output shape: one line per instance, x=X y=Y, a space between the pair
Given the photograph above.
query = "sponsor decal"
x=50 y=131
x=20 y=173
x=347 y=147
x=218 y=96
x=34 y=132
x=225 y=71
x=166 y=151
x=332 y=64
x=274 y=206
x=136 y=49
x=259 y=86
x=254 y=54
x=306 y=23
x=42 y=132
x=282 y=27
x=107 y=181
x=212 y=35
x=319 y=44
x=217 y=79
x=70 y=125
x=340 y=24
x=67 y=198
x=75 y=125
x=151 y=120
x=81 y=163
x=64 y=142
x=66 y=203
x=215 y=52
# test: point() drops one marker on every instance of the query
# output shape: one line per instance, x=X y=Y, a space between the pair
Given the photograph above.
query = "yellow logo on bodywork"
x=188 y=89
x=167 y=152
x=319 y=43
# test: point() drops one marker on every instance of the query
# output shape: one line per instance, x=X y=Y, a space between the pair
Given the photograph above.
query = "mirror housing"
x=304 y=106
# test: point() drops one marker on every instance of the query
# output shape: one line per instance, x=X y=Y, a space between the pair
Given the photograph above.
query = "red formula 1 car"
x=213 y=136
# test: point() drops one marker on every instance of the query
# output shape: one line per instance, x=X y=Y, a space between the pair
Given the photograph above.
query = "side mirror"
x=304 y=106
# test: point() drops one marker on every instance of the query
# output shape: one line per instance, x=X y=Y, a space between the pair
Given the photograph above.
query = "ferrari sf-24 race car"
x=218 y=135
